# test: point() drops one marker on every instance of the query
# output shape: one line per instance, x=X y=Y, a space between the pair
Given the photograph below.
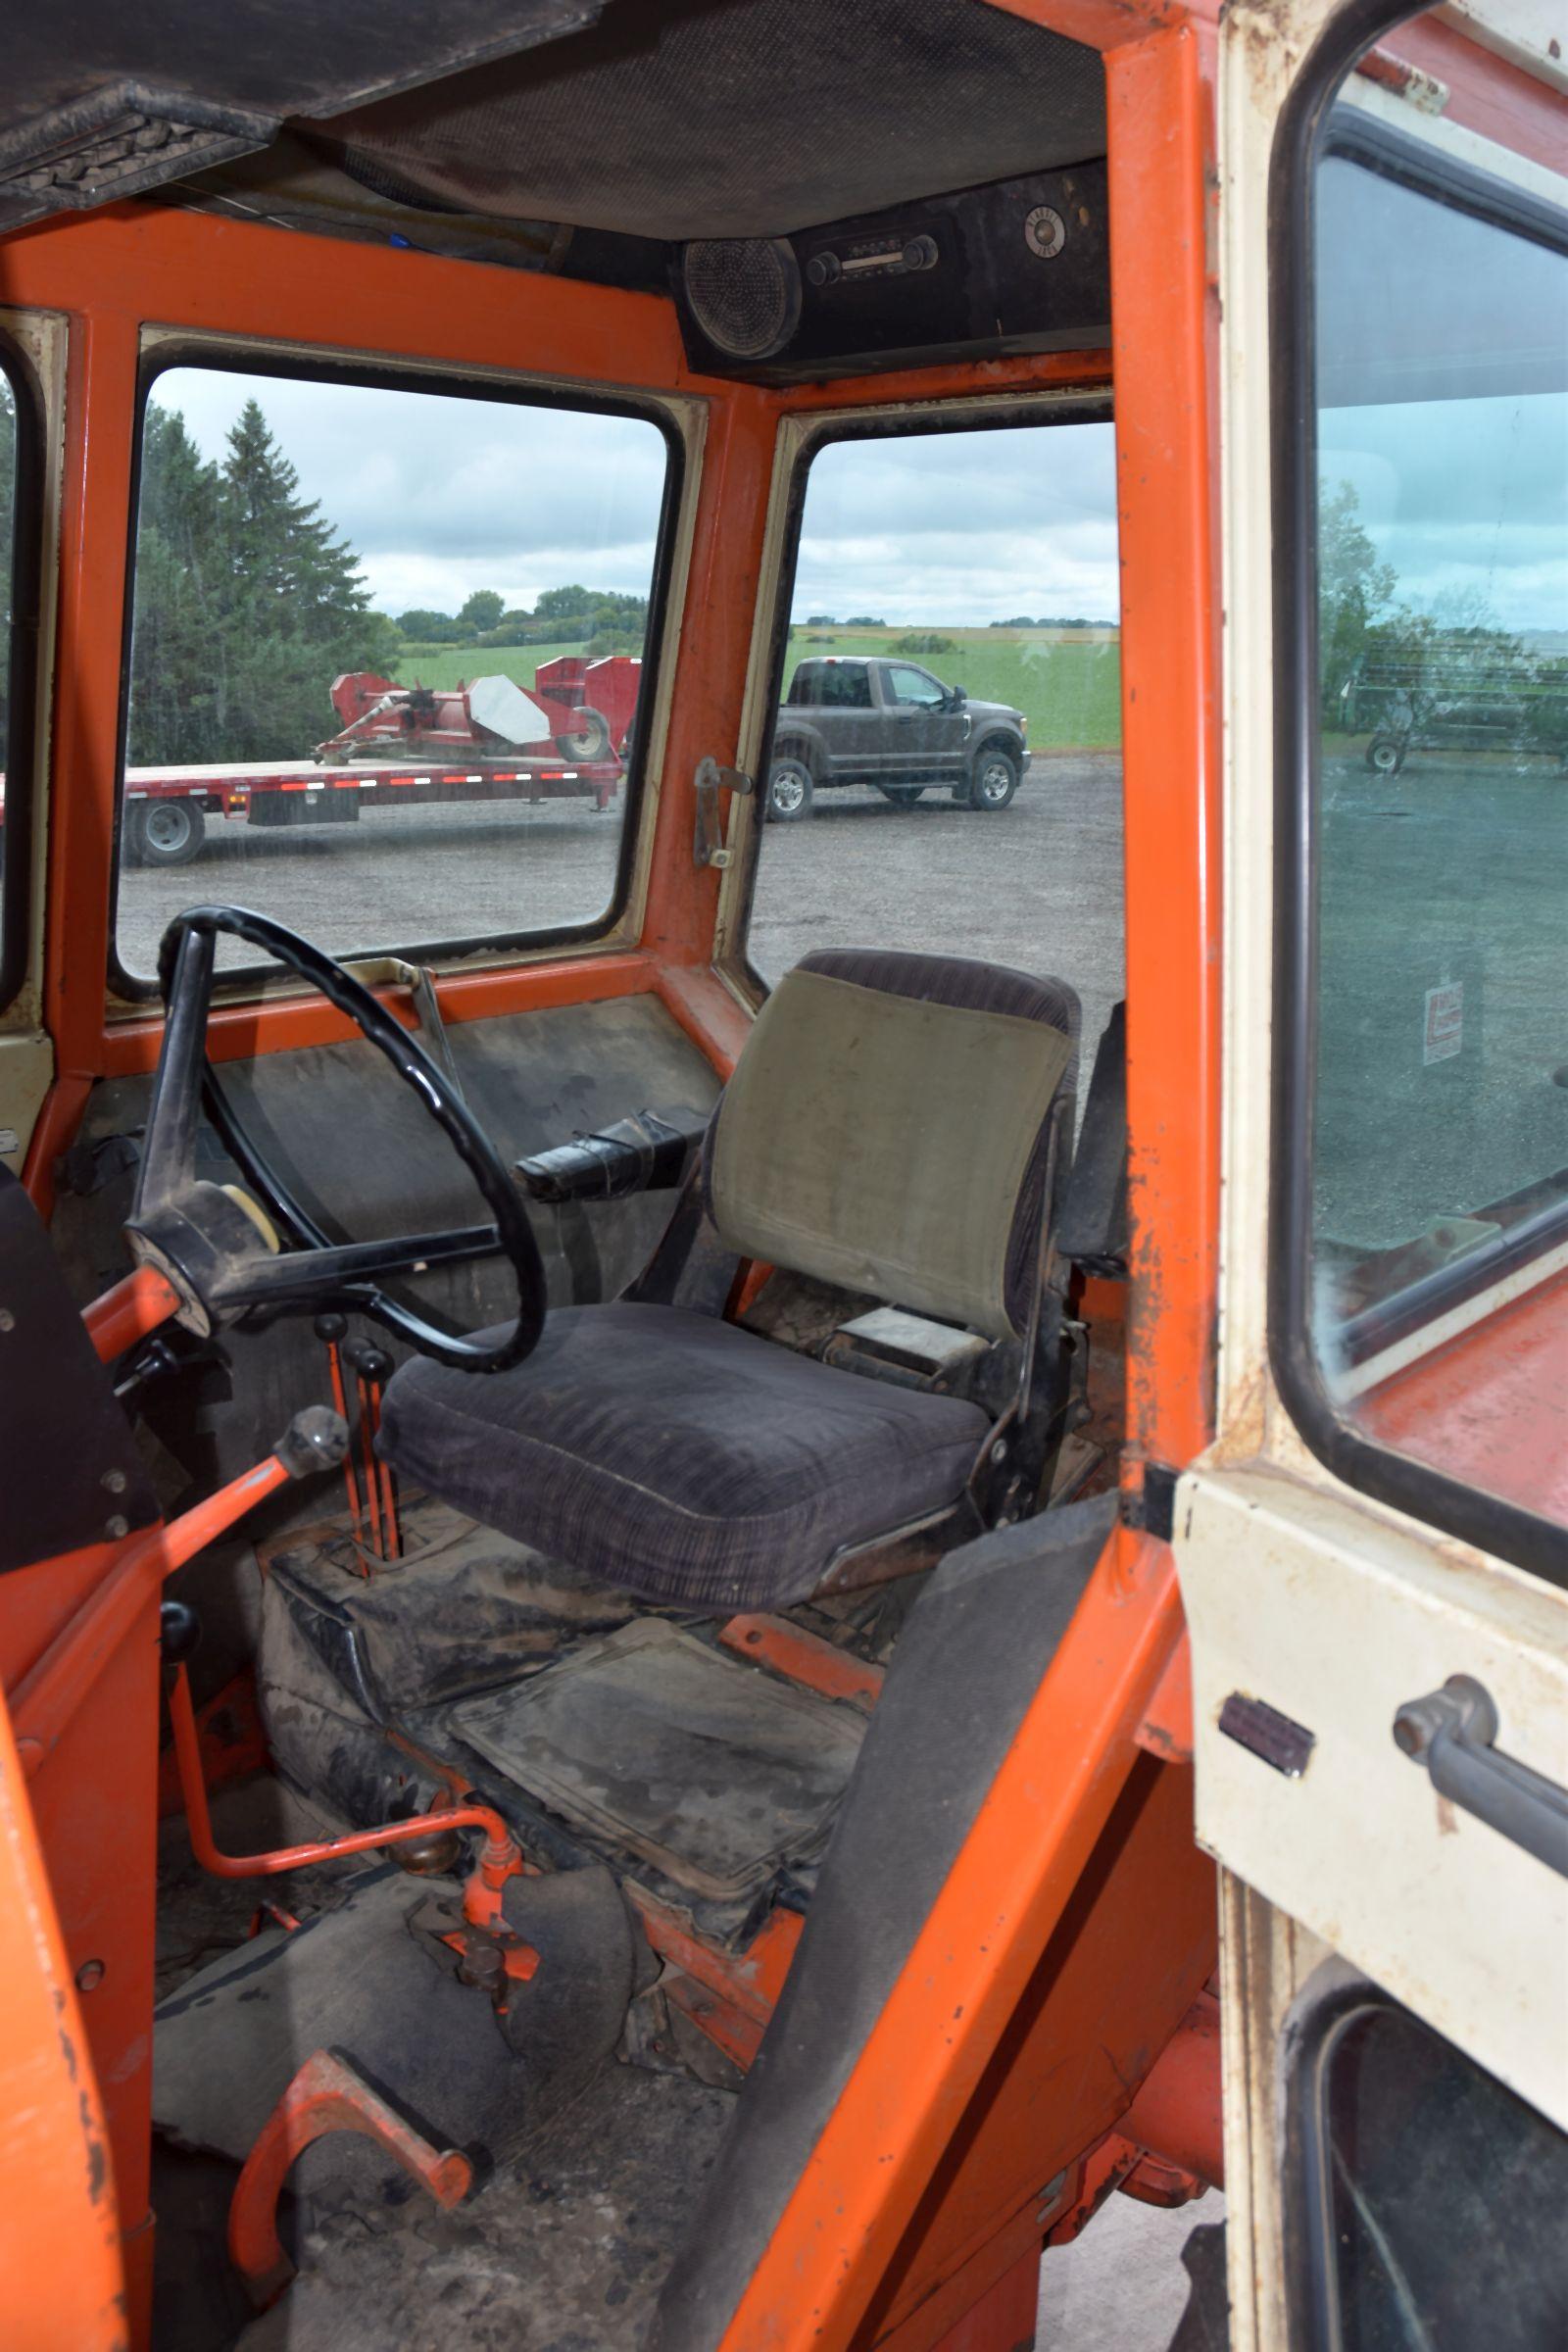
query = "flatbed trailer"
x=166 y=808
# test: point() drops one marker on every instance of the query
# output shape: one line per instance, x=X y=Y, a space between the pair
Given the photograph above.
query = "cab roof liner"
x=689 y=119
x=737 y=118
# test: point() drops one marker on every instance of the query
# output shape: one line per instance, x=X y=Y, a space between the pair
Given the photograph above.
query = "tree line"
x=248 y=604
x=603 y=620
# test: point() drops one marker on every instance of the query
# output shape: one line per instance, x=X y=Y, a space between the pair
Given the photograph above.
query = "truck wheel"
x=902 y=796
x=995 y=780
x=166 y=832
x=590 y=740
x=1384 y=755
x=789 y=792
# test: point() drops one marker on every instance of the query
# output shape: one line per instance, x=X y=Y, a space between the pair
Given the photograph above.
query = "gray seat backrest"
x=889 y=1127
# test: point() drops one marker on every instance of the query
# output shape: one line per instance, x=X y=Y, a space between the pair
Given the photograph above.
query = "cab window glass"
x=388 y=653
x=946 y=767
x=1440 y=1152
x=8 y=567
x=1436 y=2196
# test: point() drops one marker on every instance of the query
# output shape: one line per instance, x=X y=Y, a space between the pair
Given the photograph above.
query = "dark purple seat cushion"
x=677 y=1457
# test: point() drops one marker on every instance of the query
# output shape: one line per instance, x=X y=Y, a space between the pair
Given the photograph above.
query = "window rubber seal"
x=18 y=753
x=1489 y=1522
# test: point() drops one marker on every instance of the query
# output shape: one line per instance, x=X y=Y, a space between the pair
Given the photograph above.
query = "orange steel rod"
x=46 y=1699
x=500 y=1846
x=134 y=1307
x=372 y=1485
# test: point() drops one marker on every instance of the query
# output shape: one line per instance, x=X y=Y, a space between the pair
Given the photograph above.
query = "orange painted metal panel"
x=1166 y=330
x=1010 y=1889
x=62 y=2279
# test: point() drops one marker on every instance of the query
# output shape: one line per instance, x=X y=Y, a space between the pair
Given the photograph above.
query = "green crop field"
x=1067 y=686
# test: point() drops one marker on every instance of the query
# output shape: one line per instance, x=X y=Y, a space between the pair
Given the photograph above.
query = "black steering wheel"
x=229 y=1255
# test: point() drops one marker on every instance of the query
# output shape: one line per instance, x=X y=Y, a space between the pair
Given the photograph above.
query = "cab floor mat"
x=562 y=2250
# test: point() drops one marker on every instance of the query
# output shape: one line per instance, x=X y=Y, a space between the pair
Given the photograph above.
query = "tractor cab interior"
x=609 y=1367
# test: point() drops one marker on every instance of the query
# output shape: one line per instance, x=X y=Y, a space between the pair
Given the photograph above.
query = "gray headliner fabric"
x=738 y=118
x=677 y=1456
x=966 y=1668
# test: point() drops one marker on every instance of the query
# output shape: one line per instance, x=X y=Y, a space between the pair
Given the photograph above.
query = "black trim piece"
x=19 y=752
x=239 y=359
x=1089 y=408
x=1278 y=1740
x=1487 y=1521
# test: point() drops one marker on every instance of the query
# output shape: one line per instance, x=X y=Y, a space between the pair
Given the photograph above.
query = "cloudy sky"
x=440 y=496
x=1467 y=498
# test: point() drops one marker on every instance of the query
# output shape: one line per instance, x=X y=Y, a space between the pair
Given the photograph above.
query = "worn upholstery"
x=889 y=1129
x=680 y=1457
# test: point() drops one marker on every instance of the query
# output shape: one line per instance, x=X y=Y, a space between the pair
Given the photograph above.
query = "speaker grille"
x=744 y=292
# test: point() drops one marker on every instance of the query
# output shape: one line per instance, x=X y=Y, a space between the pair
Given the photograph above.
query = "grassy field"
x=1068 y=686
x=455 y=664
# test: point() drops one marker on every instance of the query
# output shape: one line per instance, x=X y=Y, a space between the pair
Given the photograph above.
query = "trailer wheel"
x=166 y=832
x=590 y=740
x=1385 y=753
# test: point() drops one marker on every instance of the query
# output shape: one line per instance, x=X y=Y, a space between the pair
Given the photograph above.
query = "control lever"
x=331 y=1331
x=373 y=1368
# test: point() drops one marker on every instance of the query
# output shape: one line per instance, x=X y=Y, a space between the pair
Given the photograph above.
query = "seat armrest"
x=646 y=1152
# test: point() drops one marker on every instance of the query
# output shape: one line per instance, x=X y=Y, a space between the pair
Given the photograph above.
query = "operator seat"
x=896 y=1125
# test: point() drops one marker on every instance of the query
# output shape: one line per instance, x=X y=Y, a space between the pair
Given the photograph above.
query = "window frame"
x=1092 y=405
x=20 y=761
x=227 y=357
x=1303 y=136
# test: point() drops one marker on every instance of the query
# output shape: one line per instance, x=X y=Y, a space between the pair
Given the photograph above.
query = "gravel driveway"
x=1037 y=885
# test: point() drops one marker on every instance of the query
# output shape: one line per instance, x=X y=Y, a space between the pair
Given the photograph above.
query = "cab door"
x=1373 y=1556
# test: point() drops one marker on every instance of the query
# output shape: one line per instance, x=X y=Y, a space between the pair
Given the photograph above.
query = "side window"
x=981 y=560
x=914 y=688
x=1432 y=2195
x=1431 y=1144
x=844 y=686
x=389 y=646
x=8 y=569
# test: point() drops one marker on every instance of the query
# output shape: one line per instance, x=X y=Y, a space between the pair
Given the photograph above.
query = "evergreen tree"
x=177 y=674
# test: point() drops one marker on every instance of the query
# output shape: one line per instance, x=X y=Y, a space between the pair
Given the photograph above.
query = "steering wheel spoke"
x=304 y=1276
x=195 y=1229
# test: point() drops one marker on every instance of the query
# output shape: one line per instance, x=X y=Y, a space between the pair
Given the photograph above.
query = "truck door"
x=1373 y=1557
x=924 y=732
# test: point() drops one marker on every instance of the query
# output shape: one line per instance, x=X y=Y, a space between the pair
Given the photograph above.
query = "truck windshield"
x=388 y=655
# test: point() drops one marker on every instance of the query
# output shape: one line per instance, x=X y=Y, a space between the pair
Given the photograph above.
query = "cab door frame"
x=1330 y=1603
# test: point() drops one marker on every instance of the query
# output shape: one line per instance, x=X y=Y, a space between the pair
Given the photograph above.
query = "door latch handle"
x=1452 y=1733
x=708 y=845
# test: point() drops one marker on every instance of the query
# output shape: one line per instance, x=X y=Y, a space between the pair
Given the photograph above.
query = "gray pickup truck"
x=872 y=719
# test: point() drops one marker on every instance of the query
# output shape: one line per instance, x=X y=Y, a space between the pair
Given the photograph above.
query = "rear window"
x=390 y=651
